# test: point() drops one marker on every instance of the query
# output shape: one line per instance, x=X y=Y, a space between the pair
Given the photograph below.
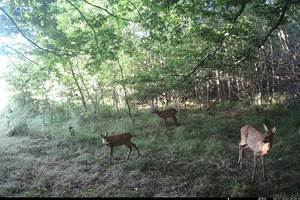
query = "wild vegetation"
x=79 y=69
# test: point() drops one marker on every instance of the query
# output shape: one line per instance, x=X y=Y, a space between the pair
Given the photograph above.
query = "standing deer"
x=118 y=140
x=164 y=114
x=259 y=143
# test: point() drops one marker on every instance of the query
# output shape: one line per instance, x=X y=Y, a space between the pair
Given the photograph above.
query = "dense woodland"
x=104 y=65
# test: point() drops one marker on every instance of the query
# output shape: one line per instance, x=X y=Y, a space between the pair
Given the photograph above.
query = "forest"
x=150 y=98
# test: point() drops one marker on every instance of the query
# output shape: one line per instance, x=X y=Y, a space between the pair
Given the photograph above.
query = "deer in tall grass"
x=118 y=140
x=259 y=143
x=164 y=114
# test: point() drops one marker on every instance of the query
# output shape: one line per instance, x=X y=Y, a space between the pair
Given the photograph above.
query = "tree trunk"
x=229 y=90
x=268 y=86
x=94 y=102
x=125 y=92
x=77 y=84
x=218 y=86
x=273 y=72
x=116 y=99
x=261 y=86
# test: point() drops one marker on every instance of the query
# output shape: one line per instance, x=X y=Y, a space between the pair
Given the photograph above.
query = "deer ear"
x=274 y=129
x=265 y=127
x=106 y=133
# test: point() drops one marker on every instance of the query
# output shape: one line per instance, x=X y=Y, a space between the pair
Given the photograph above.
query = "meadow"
x=198 y=158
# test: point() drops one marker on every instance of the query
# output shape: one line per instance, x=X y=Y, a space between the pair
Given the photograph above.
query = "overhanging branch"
x=26 y=37
x=239 y=13
x=263 y=41
x=21 y=54
x=111 y=14
x=136 y=10
x=87 y=22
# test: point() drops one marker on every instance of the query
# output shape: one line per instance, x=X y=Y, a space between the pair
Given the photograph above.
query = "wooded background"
x=126 y=53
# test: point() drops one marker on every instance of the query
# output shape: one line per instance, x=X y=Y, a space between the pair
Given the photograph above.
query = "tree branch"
x=26 y=37
x=87 y=22
x=22 y=55
x=111 y=14
x=239 y=13
x=77 y=83
x=262 y=42
x=137 y=10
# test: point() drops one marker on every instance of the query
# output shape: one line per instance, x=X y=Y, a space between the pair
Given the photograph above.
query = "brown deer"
x=164 y=114
x=118 y=140
x=259 y=143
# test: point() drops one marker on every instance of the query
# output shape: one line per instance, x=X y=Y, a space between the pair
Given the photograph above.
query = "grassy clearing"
x=198 y=158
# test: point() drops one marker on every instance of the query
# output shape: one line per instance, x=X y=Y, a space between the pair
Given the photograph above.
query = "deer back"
x=119 y=139
x=251 y=137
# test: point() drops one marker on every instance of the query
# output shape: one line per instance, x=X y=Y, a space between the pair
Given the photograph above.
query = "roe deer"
x=169 y=113
x=259 y=143
x=118 y=140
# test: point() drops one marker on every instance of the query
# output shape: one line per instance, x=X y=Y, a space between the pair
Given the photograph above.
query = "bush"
x=20 y=130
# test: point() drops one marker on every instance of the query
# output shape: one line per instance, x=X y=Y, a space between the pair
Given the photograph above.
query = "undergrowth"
x=197 y=158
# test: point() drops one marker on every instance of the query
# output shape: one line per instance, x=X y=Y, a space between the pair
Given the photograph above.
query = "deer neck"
x=265 y=148
x=106 y=142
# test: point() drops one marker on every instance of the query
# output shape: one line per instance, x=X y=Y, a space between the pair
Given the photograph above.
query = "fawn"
x=118 y=140
x=259 y=143
x=164 y=114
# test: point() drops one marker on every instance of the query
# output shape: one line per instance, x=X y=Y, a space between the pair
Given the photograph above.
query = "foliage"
x=170 y=51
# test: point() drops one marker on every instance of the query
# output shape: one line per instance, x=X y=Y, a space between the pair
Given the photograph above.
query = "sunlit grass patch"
x=237 y=188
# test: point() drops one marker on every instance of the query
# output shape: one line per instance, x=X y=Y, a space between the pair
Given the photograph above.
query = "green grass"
x=198 y=158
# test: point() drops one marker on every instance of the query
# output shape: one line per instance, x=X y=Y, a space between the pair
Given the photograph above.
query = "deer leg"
x=263 y=166
x=111 y=153
x=175 y=120
x=130 y=147
x=136 y=148
x=240 y=161
x=254 y=167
